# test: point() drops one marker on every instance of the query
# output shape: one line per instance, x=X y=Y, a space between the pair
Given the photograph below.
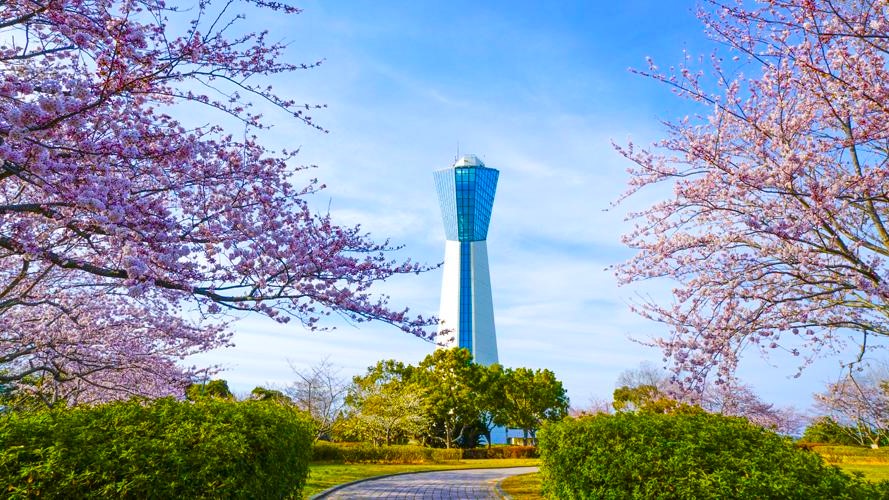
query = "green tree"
x=644 y=388
x=829 y=431
x=643 y=398
x=448 y=379
x=385 y=405
x=532 y=397
x=216 y=389
x=491 y=392
x=264 y=394
x=449 y=400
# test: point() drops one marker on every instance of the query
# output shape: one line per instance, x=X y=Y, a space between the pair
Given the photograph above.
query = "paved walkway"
x=466 y=484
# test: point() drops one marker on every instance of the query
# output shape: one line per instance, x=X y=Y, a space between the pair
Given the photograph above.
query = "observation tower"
x=466 y=316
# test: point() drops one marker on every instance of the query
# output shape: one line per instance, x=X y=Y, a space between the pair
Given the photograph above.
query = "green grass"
x=871 y=472
x=523 y=486
x=852 y=454
x=873 y=464
x=324 y=476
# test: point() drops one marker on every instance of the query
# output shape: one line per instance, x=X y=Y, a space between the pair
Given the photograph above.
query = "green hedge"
x=397 y=454
x=501 y=452
x=686 y=457
x=158 y=449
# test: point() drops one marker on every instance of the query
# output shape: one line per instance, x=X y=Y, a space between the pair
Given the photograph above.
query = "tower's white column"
x=484 y=339
x=449 y=310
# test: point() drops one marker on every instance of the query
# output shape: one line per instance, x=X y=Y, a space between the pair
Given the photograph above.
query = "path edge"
x=325 y=493
x=499 y=489
x=328 y=491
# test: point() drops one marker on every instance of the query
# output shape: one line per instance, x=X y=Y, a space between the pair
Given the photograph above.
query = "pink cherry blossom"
x=776 y=233
x=116 y=219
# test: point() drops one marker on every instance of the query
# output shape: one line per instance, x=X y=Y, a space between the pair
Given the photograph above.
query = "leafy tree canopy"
x=212 y=389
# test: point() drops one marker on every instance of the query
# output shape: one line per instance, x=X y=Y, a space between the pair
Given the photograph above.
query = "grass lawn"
x=872 y=472
x=323 y=476
x=872 y=463
x=523 y=487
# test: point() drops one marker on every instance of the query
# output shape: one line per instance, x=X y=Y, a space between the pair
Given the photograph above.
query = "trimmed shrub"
x=685 y=457
x=501 y=452
x=396 y=454
x=323 y=451
x=158 y=449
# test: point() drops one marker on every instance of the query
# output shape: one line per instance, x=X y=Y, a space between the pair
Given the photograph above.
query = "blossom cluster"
x=112 y=208
x=777 y=233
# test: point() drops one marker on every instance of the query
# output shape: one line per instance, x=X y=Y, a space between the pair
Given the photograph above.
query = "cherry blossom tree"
x=117 y=220
x=859 y=403
x=74 y=349
x=594 y=406
x=739 y=400
x=776 y=232
x=649 y=389
x=320 y=391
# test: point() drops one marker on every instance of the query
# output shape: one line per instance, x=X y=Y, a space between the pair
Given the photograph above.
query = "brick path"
x=466 y=484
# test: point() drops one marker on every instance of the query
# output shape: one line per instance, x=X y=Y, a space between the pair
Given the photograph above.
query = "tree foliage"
x=643 y=398
x=657 y=393
x=776 y=228
x=211 y=389
x=385 y=406
x=448 y=379
x=117 y=216
x=740 y=400
x=647 y=389
x=491 y=392
x=532 y=397
x=448 y=400
x=264 y=394
x=827 y=431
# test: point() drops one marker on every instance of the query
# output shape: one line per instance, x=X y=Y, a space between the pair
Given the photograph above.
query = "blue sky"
x=538 y=90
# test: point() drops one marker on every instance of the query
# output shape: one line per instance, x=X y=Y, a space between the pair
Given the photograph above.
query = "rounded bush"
x=157 y=449
x=685 y=457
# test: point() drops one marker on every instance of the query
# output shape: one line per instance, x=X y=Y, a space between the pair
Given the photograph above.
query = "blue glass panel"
x=485 y=187
x=466 y=195
x=464 y=179
x=465 y=295
x=444 y=185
